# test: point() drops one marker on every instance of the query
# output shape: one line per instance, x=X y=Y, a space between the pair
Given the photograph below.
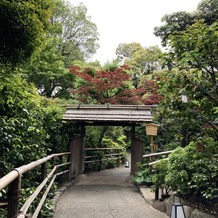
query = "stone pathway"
x=105 y=194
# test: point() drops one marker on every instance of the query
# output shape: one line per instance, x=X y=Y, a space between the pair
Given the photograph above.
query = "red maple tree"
x=113 y=87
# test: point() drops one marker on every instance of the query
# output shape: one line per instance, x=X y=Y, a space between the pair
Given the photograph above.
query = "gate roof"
x=106 y=113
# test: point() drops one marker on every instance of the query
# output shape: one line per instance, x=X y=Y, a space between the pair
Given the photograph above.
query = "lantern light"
x=177 y=210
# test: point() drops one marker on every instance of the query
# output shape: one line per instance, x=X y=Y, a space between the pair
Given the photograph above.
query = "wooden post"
x=82 y=151
x=100 y=161
x=43 y=176
x=13 y=197
x=54 y=161
x=76 y=153
x=156 y=193
x=152 y=147
x=118 y=161
x=43 y=170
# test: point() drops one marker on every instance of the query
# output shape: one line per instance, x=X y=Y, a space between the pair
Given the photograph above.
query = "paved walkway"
x=104 y=194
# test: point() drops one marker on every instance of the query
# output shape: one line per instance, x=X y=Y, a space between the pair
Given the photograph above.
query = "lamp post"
x=151 y=130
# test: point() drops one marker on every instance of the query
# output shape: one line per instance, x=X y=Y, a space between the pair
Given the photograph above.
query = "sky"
x=127 y=21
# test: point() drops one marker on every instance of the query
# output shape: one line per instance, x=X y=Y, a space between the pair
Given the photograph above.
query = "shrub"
x=195 y=172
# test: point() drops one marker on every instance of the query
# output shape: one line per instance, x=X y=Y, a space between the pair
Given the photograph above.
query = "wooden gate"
x=138 y=150
x=77 y=157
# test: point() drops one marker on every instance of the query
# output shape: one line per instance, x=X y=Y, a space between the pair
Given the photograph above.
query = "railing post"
x=54 y=161
x=119 y=158
x=13 y=197
x=156 y=196
x=43 y=171
x=100 y=161
x=156 y=188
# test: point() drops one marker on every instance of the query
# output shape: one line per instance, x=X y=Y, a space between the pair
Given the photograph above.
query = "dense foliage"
x=22 y=133
x=23 y=27
x=187 y=113
x=194 y=76
x=30 y=125
x=48 y=73
x=192 y=172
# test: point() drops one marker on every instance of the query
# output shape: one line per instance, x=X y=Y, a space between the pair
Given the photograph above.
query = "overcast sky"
x=126 y=21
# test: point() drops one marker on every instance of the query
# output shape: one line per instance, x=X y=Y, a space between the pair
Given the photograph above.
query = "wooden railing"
x=99 y=156
x=13 y=181
x=151 y=156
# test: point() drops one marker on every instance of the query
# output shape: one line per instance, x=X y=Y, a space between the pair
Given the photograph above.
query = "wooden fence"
x=13 y=181
x=100 y=156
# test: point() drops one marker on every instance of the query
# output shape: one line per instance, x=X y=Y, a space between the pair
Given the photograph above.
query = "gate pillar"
x=77 y=149
x=137 y=152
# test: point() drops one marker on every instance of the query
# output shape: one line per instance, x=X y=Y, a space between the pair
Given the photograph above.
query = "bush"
x=22 y=133
x=143 y=177
x=158 y=177
x=193 y=172
x=30 y=128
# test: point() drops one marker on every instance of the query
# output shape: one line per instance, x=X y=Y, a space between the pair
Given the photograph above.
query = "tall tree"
x=23 y=26
x=195 y=51
x=200 y=53
x=208 y=10
x=126 y=50
x=48 y=72
x=71 y=37
x=78 y=33
x=179 y=21
x=141 y=60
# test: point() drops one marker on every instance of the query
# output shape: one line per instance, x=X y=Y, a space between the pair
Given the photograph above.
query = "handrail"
x=27 y=204
x=156 y=161
x=101 y=149
x=37 y=211
x=7 y=179
x=158 y=153
x=13 y=180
